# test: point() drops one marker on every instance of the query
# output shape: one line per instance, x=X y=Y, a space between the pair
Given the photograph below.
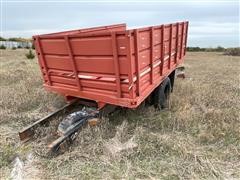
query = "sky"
x=212 y=23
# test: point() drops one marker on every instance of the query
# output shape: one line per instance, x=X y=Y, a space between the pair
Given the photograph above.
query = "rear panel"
x=115 y=67
x=91 y=66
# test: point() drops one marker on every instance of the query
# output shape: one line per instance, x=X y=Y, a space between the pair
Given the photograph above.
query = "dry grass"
x=199 y=138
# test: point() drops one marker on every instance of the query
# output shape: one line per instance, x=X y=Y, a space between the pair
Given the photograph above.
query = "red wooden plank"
x=152 y=52
x=136 y=45
x=176 y=46
x=74 y=68
x=116 y=63
x=170 y=46
x=42 y=59
x=163 y=50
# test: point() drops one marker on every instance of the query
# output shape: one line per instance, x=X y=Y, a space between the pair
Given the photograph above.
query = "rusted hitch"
x=28 y=132
x=70 y=125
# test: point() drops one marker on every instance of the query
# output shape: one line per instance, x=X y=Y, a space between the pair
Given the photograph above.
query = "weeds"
x=2 y=47
x=232 y=52
x=30 y=55
x=7 y=153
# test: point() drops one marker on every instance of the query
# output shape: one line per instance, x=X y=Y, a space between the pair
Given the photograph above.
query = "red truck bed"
x=110 y=64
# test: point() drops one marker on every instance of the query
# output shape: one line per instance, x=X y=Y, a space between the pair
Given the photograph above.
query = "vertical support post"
x=116 y=63
x=170 y=47
x=129 y=57
x=176 y=45
x=137 y=64
x=186 y=38
x=163 y=50
x=43 y=61
x=182 y=35
x=71 y=56
x=152 y=51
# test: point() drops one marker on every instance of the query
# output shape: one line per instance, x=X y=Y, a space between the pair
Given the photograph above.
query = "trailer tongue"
x=67 y=128
x=70 y=125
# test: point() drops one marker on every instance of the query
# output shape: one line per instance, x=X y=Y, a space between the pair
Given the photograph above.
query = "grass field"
x=199 y=138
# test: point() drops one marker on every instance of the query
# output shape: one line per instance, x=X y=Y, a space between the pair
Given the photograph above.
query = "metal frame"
x=43 y=61
x=136 y=53
x=129 y=57
x=152 y=51
x=170 y=46
x=71 y=56
x=181 y=47
x=186 y=35
x=28 y=132
x=163 y=50
x=116 y=63
x=176 y=45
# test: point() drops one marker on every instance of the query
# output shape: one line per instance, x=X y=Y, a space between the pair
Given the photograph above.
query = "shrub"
x=30 y=54
x=19 y=47
x=198 y=49
x=18 y=39
x=14 y=48
x=220 y=49
x=232 y=52
x=194 y=49
x=2 y=47
x=2 y=39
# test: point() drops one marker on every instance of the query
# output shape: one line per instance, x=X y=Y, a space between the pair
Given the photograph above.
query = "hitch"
x=70 y=125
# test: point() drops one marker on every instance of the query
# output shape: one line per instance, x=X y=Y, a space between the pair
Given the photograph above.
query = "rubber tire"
x=162 y=94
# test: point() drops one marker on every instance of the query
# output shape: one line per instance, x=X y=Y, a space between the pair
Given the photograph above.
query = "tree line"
x=16 y=39
x=226 y=51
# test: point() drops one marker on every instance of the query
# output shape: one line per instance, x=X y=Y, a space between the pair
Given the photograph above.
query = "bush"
x=198 y=49
x=14 y=48
x=18 y=39
x=232 y=52
x=220 y=49
x=195 y=49
x=19 y=47
x=2 y=39
x=30 y=54
x=2 y=47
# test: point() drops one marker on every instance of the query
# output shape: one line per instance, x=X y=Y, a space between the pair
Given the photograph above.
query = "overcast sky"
x=212 y=23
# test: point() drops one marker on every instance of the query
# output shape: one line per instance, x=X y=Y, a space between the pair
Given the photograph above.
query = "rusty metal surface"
x=28 y=132
x=70 y=125
x=119 y=67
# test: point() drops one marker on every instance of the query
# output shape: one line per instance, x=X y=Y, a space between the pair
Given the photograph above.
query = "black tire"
x=162 y=94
